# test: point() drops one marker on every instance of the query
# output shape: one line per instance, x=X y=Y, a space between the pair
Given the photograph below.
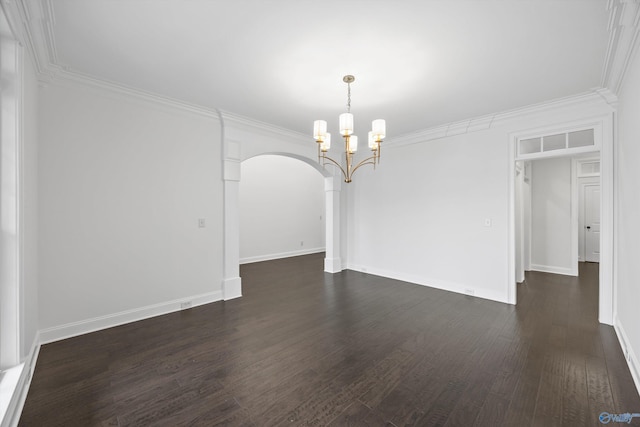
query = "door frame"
x=604 y=127
x=577 y=187
x=583 y=206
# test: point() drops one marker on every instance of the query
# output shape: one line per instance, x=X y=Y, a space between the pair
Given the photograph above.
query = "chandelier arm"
x=335 y=163
x=368 y=161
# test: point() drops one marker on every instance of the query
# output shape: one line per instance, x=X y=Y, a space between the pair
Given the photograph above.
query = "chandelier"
x=323 y=138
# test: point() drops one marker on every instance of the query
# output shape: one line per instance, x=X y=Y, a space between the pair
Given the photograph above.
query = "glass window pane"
x=529 y=146
x=554 y=142
x=581 y=138
x=590 y=168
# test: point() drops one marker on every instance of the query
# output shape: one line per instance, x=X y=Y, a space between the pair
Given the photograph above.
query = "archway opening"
x=281 y=209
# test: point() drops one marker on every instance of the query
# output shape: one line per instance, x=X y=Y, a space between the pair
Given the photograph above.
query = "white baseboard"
x=73 y=329
x=18 y=395
x=629 y=354
x=231 y=288
x=459 y=288
x=280 y=255
x=332 y=265
x=554 y=269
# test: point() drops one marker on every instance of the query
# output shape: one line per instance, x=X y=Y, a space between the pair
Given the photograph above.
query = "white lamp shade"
x=353 y=143
x=379 y=128
x=346 y=124
x=326 y=143
x=319 y=130
x=373 y=144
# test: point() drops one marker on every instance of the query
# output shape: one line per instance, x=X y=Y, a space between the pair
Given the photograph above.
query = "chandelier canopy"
x=323 y=139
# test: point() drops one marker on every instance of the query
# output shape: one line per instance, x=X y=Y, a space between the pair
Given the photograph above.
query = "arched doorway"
x=282 y=209
x=232 y=283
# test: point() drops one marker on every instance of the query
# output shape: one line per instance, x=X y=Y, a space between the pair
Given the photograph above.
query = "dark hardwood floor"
x=307 y=348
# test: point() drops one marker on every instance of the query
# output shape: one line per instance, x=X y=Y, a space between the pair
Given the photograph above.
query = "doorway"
x=282 y=209
x=590 y=232
x=589 y=196
x=557 y=215
x=592 y=137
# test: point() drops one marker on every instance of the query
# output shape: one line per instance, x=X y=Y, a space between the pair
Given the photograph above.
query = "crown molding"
x=34 y=21
x=63 y=75
x=242 y=123
x=48 y=23
x=28 y=20
x=33 y=24
x=597 y=97
x=624 y=33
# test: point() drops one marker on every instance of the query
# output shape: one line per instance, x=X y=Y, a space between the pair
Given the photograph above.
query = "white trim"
x=575 y=223
x=11 y=203
x=444 y=285
x=232 y=288
x=554 y=269
x=607 y=224
x=269 y=257
x=238 y=122
x=17 y=394
x=333 y=265
x=593 y=98
x=630 y=356
x=511 y=280
x=74 y=329
x=606 y=289
x=583 y=160
x=9 y=385
x=66 y=78
x=624 y=36
x=567 y=128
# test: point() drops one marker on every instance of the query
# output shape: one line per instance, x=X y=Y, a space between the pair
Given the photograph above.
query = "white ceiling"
x=417 y=63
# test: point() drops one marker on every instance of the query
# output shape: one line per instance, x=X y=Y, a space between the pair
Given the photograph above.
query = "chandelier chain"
x=348 y=97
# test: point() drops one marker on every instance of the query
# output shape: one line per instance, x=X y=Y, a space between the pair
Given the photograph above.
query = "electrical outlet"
x=302 y=243
x=185 y=305
x=201 y=223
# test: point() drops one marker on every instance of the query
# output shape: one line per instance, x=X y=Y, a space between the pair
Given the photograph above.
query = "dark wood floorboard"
x=303 y=347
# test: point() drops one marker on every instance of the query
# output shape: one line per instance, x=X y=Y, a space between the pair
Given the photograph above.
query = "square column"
x=332 y=261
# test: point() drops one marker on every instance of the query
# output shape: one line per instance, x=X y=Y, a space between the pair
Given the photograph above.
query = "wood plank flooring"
x=303 y=347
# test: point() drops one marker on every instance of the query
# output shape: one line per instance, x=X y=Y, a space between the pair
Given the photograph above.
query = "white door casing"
x=603 y=124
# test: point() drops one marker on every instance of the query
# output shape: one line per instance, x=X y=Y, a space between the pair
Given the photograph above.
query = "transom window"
x=554 y=144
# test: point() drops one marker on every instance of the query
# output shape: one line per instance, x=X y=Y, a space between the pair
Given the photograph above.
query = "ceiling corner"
x=32 y=23
x=624 y=36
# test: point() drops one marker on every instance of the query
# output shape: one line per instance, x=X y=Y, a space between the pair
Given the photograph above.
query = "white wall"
x=281 y=208
x=627 y=233
x=122 y=185
x=420 y=216
x=551 y=215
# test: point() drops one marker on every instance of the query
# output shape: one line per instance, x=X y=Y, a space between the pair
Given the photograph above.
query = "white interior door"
x=592 y=222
